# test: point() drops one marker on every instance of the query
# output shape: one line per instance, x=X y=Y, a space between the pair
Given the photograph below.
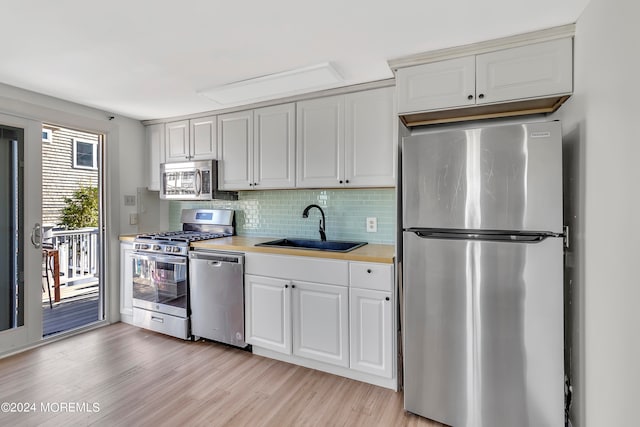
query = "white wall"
x=124 y=152
x=602 y=150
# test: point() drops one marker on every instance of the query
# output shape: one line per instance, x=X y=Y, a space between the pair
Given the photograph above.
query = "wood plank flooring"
x=68 y=315
x=121 y=375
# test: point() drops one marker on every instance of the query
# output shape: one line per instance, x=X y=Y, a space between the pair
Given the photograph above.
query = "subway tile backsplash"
x=278 y=213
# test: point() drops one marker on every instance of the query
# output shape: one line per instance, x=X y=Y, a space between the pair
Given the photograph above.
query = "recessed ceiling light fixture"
x=278 y=85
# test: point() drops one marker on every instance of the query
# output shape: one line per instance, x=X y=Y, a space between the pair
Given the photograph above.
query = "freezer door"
x=483 y=331
x=504 y=177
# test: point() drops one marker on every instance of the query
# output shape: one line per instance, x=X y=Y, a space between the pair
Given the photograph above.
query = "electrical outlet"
x=133 y=219
x=372 y=225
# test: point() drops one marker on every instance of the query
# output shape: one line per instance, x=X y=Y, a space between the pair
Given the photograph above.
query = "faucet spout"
x=322 y=225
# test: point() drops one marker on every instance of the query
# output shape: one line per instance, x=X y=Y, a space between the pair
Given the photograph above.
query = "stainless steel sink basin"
x=316 y=245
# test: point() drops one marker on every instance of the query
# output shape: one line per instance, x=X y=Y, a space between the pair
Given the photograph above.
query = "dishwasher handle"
x=217 y=259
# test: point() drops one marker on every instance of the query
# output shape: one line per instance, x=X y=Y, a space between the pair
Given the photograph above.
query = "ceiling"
x=150 y=59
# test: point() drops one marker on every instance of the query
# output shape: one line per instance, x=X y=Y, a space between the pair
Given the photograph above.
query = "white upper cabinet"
x=194 y=139
x=257 y=148
x=203 y=139
x=370 y=150
x=320 y=142
x=525 y=72
x=177 y=141
x=155 y=148
x=346 y=140
x=235 y=151
x=443 y=84
x=274 y=162
x=537 y=70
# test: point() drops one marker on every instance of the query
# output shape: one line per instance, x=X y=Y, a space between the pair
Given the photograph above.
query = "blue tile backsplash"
x=278 y=213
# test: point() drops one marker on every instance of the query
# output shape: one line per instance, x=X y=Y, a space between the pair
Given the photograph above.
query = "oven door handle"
x=161 y=258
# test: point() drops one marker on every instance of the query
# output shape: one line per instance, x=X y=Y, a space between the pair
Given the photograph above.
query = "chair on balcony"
x=45 y=274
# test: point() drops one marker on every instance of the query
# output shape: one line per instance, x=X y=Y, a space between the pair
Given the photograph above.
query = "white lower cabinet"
x=371 y=331
x=126 y=282
x=268 y=313
x=321 y=322
x=332 y=315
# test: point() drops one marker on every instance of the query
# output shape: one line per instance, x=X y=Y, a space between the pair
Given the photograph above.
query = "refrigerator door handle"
x=515 y=238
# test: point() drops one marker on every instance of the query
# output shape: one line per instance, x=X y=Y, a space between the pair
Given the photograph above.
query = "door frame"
x=30 y=332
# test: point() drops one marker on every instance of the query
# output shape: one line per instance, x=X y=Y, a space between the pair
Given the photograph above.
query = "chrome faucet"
x=305 y=214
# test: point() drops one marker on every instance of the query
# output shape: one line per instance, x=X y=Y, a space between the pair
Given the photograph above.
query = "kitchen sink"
x=316 y=245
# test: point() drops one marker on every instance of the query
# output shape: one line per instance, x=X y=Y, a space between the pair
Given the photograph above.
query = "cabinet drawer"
x=371 y=276
x=329 y=271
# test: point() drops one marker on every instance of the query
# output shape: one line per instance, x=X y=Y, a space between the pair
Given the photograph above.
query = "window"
x=47 y=135
x=85 y=154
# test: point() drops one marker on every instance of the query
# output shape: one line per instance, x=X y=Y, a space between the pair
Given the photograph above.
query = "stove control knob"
x=157 y=248
x=176 y=249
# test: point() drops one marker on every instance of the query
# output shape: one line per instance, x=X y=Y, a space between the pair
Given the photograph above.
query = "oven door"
x=160 y=283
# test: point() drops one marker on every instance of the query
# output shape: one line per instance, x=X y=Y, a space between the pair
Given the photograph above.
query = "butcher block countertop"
x=366 y=253
x=127 y=237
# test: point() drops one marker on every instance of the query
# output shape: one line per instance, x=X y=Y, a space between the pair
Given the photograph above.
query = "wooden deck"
x=78 y=307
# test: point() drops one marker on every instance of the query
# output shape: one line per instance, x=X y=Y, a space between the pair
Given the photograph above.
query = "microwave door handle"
x=198 y=182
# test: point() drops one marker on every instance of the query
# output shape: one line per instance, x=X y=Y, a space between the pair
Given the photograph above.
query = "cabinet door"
x=437 y=85
x=235 y=151
x=536 y=70
x=204 y=138
x=371 y=331
x=267 y=313
x=274 y=147
x=155 y=150
x=370 y=149
x=126 y=282
x=177 y=141
x=320 y=322
x=320 y=142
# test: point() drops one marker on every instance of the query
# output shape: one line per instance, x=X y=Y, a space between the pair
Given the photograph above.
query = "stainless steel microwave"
x=192 y=181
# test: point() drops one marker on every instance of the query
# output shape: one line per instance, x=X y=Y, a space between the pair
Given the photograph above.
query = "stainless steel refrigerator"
x=482 y=265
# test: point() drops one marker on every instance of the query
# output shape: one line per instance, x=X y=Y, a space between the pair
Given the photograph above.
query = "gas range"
x=173 y=242
x=197 y=225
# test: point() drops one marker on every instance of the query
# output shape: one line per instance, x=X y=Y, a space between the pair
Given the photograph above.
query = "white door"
x=536 y=70
x=204 y=138
x=155 y=147
x=437 y=85
x=371 y=331
x=20 y=235
x=320 y=322
x=268 y=313
x=320 y=143
x=274 y=163
x=235 y=151
x=177 y=141
x=370 y=149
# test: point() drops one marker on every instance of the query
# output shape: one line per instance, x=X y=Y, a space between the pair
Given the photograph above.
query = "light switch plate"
x=129 y=200
x=133 y=219
x=372 y=225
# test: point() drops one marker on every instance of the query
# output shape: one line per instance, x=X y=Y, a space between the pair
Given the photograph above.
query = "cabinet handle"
x=340 y=181
x=368 y=270
x=387 y=298
x=470 y=97
x=347 y=181
x=286 y=286
x=481 y=96
x=293 y=286
x=255 y=183
x=250 y=184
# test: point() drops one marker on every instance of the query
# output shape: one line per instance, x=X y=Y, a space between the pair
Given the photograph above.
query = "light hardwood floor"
x=134 y=377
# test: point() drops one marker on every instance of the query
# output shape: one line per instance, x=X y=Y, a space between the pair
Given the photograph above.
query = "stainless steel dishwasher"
x=216 y=295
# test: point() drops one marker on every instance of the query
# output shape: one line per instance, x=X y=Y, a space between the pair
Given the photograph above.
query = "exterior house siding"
x=59 y=178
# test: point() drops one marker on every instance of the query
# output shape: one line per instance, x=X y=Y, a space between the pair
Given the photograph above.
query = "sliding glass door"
x=20 y=233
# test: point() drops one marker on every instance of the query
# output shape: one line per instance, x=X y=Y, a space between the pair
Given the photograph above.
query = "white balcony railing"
x=78 y=250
